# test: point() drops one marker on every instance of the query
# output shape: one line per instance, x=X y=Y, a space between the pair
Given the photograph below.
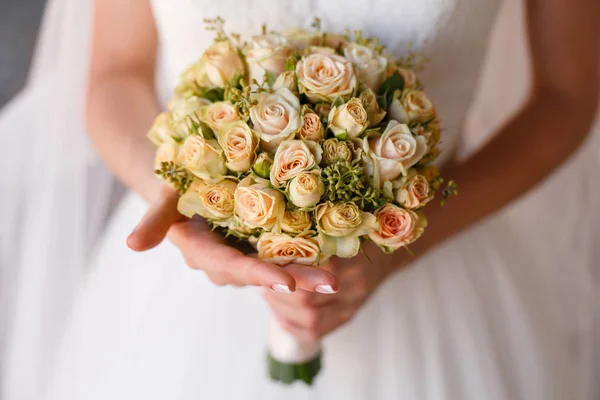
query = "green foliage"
x=388 y=88
x=450 y=190
x=347 y=181
x=176 y=176
x=290 y=64
x=213 y=95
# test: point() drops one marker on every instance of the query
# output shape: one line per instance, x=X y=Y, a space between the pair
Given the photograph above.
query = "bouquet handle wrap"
x=290 y=359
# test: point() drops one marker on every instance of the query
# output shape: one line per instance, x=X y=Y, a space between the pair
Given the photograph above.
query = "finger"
x=302 y=298
x=308 y=317
x=313 y=279
x=155 y=224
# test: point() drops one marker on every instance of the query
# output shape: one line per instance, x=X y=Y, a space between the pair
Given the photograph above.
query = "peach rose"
x=335 y=150
x=287 y=80
x=410 y=78
x=218 y=114
x=239 y=143
x=397 y=227
x=212 y=201
x=267 y=53
x=296 y=222
x=182 y=107
x=340 y=227
x=162 y=130
x=374 y=112
x=306 y=188
x=257 y=205
x=276 y=117
x=220 y=65
x=202 y=158
x=166 y=152
x=312 y=128
x=369 y=66
x=391 y=154
x=349 y=120
x=323 y=76
x=282 y=249
x=293 y=157
x=417 y=105
x=413 y=191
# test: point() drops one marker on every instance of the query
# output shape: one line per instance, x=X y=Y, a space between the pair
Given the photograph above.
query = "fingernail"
x=325 y=289
x=278 y=287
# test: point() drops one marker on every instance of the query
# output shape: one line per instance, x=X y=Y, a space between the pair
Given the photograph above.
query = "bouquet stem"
x=291 y=360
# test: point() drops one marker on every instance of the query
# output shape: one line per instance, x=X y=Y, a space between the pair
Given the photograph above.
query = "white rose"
x=293 y=157
x=218 y=114
x=349 y=120
x=391 y=154
x=306 y=188
x=287 y=80
x=374 y=112
x=257 y=205
x=312 y=128
x=369 y=66
x=282 y=249
x=220 y=65
x=239 y=143
x=211 y=201
x=413 y=191
x=296 y=222
x=397 y=227
x=202 y=158
x=323 y=76
x=267 y=53
x=340 y=227
x=276 y=117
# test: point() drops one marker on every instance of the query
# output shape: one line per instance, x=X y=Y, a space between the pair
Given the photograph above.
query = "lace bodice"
x=452 y=33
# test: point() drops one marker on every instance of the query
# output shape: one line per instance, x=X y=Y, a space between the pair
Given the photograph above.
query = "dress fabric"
x=502 y=311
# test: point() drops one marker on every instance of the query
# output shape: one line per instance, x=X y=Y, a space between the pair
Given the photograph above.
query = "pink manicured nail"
x=325 y=289
x=278 y=287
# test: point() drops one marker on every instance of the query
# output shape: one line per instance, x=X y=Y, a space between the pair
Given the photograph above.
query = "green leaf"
x=213 y=95
x=343 y=136
x=388 y=88
x=271 y=78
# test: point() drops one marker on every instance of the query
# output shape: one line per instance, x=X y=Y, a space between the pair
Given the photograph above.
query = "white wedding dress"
x=503 y=311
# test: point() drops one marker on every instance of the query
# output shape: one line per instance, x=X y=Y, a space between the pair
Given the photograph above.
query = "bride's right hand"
x=206 y=250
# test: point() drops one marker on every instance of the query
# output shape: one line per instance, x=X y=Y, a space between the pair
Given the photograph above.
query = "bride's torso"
x=452 y=33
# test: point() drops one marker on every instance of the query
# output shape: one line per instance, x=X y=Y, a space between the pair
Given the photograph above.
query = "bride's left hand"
x=310 y=316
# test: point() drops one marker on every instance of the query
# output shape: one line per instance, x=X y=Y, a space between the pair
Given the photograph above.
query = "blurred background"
x=19 y=23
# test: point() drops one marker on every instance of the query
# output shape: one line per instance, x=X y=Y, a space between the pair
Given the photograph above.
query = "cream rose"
x=335 y=150
x=349 y=120
x=413 y=191
x=340 y=227
x=374 y=112
x=369 y=66
x=262 y=165
x=296 y=222
x=391 y=154
x=239 y=143
x=220 y=65
x=182 y=107
x=417 y=105
x=267 y=53
x=410 y=78
x=306 y=188
x=293 y=157
x=300 y=39
x=162 y=130
x=202 y=158
x=218 y=114
x=276 y=117
x=287 y=80
x=257 y=205
x=323 y=76
x=166 y=152
x=282 y=249
x=397 y=227
x=212 y=201
x=312 y=128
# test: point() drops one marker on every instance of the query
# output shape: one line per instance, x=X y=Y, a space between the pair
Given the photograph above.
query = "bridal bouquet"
x=303 y=143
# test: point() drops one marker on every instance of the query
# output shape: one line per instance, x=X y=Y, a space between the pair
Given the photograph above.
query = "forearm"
x=120 y=110
x=525 y=151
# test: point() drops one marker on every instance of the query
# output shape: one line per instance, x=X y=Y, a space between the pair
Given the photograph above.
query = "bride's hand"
x=206 y=250
x=310 y=316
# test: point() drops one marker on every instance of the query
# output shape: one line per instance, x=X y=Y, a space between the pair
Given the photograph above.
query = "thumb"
x=155 y=224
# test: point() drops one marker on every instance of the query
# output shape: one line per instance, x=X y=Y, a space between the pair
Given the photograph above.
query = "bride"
x=476 y=315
